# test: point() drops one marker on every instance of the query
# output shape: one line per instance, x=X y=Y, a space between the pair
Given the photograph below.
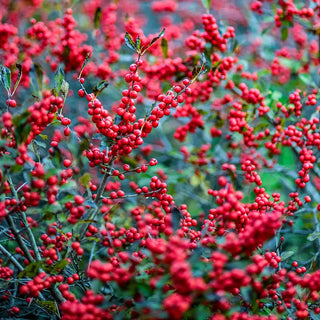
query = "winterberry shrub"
x=159 y=159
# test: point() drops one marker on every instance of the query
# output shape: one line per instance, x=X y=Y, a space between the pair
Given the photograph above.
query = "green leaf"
x=67 y=198
x=84 y=64
x=93 y=239
x=264 y=31
x=97 y=89
x=287 y=23
x=97 y=17
x=39 y=75
x=286 y=255
x=69 y=186
x=36 y=77
x=7 y=160
x=263 y=72
x=234 y=45
x=64 y=89
x=58 y=80
x=284 y=33
x=154 y=40
x=176 y=217
x=198 y=69
x=292 y=64
x=205 y=56
x=164 y=47
x=85 y=179
x=138 y=43
x=130 y=161
x=40 y=143
x=313 y=236
x=202 y=112
x=54 y=208
x=216 y=65
x=22 y=127
x=85 y=221
x=18 y=79
x=59 y=266
x=195 y=181
x=129 y=42
x=5 y=77
x=31 y=270
x=276 y=95
x=49 y=305
x=246 y=293
x=205 y=59
x=202 y=312
x=305 y=78
x=160 y=35
x=47 y=216
x=43 y=136
x=206 y=4
x=21 y=118
x=84 y=144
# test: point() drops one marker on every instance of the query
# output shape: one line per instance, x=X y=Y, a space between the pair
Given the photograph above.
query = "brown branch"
x=54 y=290
x=19 y=239
x=14 y=261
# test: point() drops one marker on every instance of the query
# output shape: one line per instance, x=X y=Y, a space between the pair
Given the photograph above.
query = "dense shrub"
x=159 y=159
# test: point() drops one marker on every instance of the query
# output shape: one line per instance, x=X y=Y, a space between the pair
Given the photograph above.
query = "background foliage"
x=159 y=159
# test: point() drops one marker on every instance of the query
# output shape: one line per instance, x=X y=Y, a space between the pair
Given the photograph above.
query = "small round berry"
x=78 y=200
x=128 y=77
x=12 y=103
x=67 y=163
x=67 y=131
x=133 y=67
x=81 y=93
x=75 y=245
x=307 y=199
x=186 y=82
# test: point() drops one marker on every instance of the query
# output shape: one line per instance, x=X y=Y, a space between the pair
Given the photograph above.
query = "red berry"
x=67 y=163
x=78 y=199
x=12 y=103
x=75 y=245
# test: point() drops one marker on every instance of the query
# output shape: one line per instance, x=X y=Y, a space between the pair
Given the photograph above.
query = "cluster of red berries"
x=250 y=174
x=212 y=34
x=5 y=272
x=86 y=308
x=38 y=283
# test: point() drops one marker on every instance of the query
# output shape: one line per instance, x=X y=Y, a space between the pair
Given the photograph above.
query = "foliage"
x=159 y=160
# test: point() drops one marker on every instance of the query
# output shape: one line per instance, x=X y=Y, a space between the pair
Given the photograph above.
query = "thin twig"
x=19 y=239
x=26 y=223
x=100 y=190
x=92 y=253
x=54 y=290
x=11 y=258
